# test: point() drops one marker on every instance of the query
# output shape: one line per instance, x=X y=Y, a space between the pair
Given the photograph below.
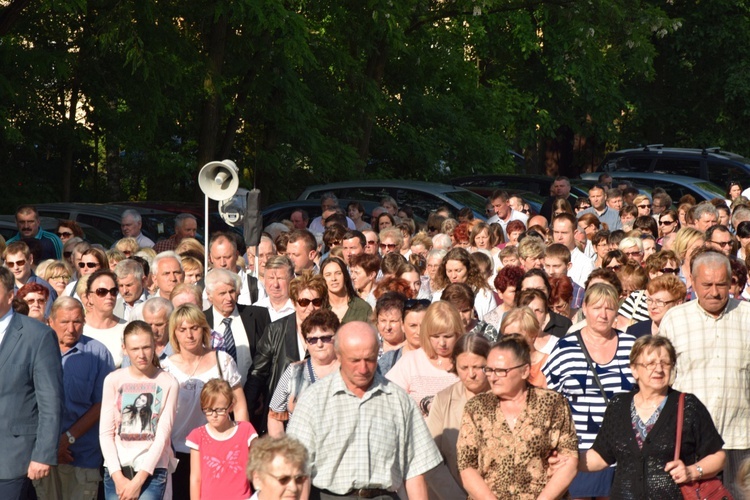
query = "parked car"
x=216 y=223
x=676 y=186
x=8 y=229
x=157 y=224
x=485 y=184
x=709 y=164
x=422 y=197
x=280 y=211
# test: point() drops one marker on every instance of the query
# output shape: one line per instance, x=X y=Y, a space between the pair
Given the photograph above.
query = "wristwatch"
x=71 y=437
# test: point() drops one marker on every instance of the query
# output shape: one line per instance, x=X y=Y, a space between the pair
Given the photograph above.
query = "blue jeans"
x=152 y=489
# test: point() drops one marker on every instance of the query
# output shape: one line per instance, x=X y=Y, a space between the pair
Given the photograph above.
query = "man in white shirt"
x=504 y=213
x=223 y=254
x=278 y=274
x=563 y=231
x=130 y=225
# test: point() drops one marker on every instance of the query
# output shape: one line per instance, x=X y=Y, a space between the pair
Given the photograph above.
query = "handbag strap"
x=680 y=417
x=591 y=365
x=218 y=364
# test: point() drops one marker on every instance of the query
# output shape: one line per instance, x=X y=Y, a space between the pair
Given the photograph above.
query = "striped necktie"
x=229 y=346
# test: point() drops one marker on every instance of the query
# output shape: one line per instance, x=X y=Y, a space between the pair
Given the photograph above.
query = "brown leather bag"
x=707 y=489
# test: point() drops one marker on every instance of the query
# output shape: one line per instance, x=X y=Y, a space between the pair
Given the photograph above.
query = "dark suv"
x=712 y=164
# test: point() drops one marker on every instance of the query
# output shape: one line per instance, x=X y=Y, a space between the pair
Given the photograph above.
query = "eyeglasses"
x=722 y=244
x=284 y=480
x=63 y=234
x=102 y=292
x=670 y=270
x=326 y=339
x=18 y=263
x=644 y=206
x=658 y=303
x=63 y=277
x=215 y=411
x=500 y=372
x=306 y=302
x=389 y=246
x=666 y=222
x=410 y=304
x=615 y=268
x=633 y=254
x=35 y=301
x=372 y=242
x=90 y=265
x=667 y=365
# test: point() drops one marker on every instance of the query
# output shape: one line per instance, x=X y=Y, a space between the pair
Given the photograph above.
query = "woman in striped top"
x=568 y=372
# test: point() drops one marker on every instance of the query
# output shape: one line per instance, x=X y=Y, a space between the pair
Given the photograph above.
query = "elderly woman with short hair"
x=662 y=294
x=274 y=458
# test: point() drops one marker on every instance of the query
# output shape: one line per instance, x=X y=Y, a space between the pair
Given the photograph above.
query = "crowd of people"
x=550 y=355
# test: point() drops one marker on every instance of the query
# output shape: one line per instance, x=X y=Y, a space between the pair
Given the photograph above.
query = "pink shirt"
x=223 y=461
x=136 y=420
x=419 y=377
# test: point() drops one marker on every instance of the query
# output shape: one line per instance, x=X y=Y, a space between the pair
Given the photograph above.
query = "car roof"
x=432 y=187
x=715 y=152
x=697 y=185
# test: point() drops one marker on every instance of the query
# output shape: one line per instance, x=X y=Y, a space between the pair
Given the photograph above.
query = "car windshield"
x=711 y=188
x=469 y=199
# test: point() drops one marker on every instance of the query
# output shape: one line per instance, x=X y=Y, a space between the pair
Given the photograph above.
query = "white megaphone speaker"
x=219 y=180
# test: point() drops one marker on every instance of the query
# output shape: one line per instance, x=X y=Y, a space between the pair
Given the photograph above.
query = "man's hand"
x=37 y=471
x=64 y=456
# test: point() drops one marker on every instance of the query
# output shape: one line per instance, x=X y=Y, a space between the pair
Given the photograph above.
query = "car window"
x=107 y=226
x=54 y=214
x=678 y=166
x=634 y=164
x=712 y=188
x=421 y=203
x=468 y=199
x=722 y=173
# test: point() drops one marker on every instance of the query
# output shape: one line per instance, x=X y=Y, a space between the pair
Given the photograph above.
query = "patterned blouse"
x=513 y=463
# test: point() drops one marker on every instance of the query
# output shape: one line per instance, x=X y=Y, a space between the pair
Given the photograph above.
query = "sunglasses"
x=63 y=234
x=326 y=339
x=666 y=222
x=90 y=265
x=722 y=244
x=670 y=270
x=615 y=268
x=412 y=303
x=102 y=292
x=306 y=302
x=18 y=263
x=284 y=480
x=389 y=246
x=644 y=206
x=369 y=242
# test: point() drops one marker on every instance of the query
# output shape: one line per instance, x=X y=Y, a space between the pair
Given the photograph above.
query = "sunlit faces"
x=19 y=265
x=334 y=278
x=193 y=276
x=734 y=191
x=469 y=367
x=513 y=237
x=390 y=326
x=28 y=224
x=653 y=369
x=534 y=282
x=274 y=489
x=516 y=376
x=139 y=347
x=130 y=288
x=711 y=286
x=90 y=264
x=308 y=296
x=104 y=303
x=466 y=312
x=509 y=295
x=189 y=336
x=360 y=279
x=223 y=297
x=456 y=271
x=68 y=325
x=517 y=327
x=320 y=344
x=554 y=266
x=649 y=248
x=223 y=255
x=433 y=265
x=659 y=303
x=442 y=343
x=158 y=323
x=37 y=303
x=597 y=198
x=562 y=232
x=414 y=281
x=298 y=221
x=168 y=275
x=705 y=221
x=482 y=240
x=600 y=316
x=501 y=207
x=419 y=249
x=412 y=323
x=351 y=248
x=539 y=308
x=511 y=260
x=300 y=256
x=130 y=227
x=276 y=282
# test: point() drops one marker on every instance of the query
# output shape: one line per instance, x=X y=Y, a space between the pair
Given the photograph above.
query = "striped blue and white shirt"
x=568 y=373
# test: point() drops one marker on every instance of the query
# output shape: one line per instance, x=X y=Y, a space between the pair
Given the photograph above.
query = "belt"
x=364 y=493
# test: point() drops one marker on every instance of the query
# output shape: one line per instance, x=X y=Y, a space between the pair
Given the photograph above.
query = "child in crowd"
x=219 y=449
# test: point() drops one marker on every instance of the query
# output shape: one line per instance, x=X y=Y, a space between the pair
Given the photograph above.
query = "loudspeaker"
x=219 y=180
x=232 y=210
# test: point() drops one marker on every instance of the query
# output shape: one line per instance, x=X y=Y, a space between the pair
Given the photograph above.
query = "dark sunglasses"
x=90 y=265
x=18 y=263
x=306 y=302
x=412 y=303
x=369 y=242
x=670 y=270
x=326 y=339
x=63 y=234
x=284 y=480
x=615 y=268
x=666 y=222
x=102 y=292
x=389 y=246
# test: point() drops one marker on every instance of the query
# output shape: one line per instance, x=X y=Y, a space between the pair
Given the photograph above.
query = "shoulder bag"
x=590 y=362
x=706 y=489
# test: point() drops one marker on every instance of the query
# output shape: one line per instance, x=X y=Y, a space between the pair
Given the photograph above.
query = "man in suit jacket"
x=247 y=323
x=30 y=396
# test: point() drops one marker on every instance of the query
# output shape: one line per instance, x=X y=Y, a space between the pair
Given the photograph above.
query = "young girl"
x=219 y=449
x=138 y=408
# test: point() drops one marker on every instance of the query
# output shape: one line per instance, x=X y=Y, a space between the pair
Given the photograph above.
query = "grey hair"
x=631 y=242
x=180 y=219
x=280 y=262
x=740 y=214
x=129 y=267
x=131 y=213
x=220 y=276
x=437 y=252
x=67 y=303
x=169 y=254
x=328 y=196
x=705 y=208
x=155 y=305
x=442 y=240
x=711 y=259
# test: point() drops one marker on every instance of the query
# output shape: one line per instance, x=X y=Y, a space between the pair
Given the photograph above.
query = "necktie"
x=229 y=346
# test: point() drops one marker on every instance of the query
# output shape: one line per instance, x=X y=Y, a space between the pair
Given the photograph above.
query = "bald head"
x=538 y=220
x=357 y=346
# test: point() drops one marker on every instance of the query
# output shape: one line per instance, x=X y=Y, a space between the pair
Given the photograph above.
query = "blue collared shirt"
x=84 y=367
